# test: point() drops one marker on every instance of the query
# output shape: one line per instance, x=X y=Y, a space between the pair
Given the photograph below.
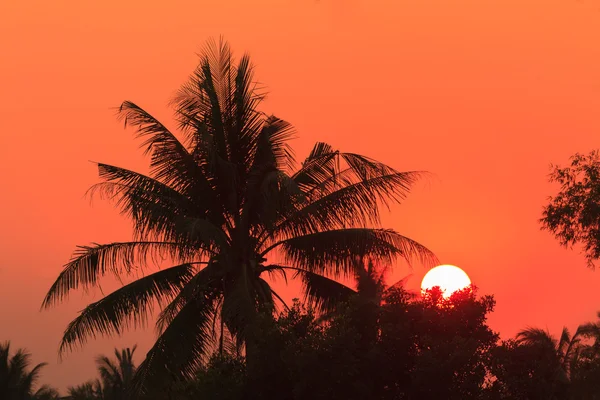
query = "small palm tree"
x=117 y=375
x=46 y=393
x=17 y=382
x=87 y=391
x=115 y=382
x=591 y=348
x=559 y=353
x=229 y=206
x=370 y=292
x=370 y=286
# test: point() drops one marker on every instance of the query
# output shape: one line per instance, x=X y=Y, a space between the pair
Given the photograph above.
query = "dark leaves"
x=573 y=215
x=130 y=304
x=335 y=251
x=89 y=263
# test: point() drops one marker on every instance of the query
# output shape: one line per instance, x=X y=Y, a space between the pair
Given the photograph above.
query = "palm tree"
x=370 y=287
x=591 y=331
x=223 y=204
x=91 y=390
x=16 y=381
x=46 y=393
x=117 y=376
x=585 y=368
x=559 y=354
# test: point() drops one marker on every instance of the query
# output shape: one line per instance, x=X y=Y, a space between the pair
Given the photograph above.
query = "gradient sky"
x=485 y=94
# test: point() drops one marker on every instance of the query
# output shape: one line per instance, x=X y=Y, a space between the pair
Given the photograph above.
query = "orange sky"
x=483 y=93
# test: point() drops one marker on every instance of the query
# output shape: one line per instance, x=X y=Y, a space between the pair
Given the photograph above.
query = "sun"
x=448 y=277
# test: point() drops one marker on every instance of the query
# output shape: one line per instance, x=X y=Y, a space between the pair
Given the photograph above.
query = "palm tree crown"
x=117 y=376
x=221 y=201
x=560 y=352
x=116 y=379
x=16 y=380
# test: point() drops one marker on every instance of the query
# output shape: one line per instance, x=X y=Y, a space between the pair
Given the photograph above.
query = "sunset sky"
x=484 y=94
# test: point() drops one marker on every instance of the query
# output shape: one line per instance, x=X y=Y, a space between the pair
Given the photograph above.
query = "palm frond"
x=273 y=149
x=211 y=77
x=400 y=283
x=537 y=337
x=89 y=263
x=571 y=350
x=270 y=200
x=170 y=162
x=152 y=205
x=335 y=251
x=355 y=204
x=180 y=349
x=29 y=379
x=247 y=121
x=326 y=170
x=108 y=370
x=45 y=392
x=204 y=283
x=275 y=271
x=128 y=305
x=318 y=166
x=564 y=341
x=200 y=233
x=323 y=293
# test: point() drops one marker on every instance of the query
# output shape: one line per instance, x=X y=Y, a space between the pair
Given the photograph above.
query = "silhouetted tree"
x=559 y=353
x=573 y=215
x=435 y=347
x=116 y=376
x=17 y=381
x=419 y=341
x=91 y=390
x=522 y=372
x=223 y=377
x=304 y=359
x=536 y=365
x=585 y=368
x=115 y=382
x=218 y=202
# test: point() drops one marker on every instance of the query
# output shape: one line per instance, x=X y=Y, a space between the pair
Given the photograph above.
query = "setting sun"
x=448 y=277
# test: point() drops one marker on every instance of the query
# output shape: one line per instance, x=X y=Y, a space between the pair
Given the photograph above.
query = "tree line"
x=386 y=344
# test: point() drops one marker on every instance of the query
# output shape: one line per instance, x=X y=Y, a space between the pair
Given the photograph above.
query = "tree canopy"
x=573 y=214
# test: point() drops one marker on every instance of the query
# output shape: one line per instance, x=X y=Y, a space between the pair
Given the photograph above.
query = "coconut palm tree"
x=558 y=354
x=585 y=368
x=591 y=332
x=116 y=376
x=91 y=390
x=370 y=286
x=226 y=204
x=115 y=382
x=17 y=382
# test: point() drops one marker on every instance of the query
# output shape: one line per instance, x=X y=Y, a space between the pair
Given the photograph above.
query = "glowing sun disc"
x=449 y=278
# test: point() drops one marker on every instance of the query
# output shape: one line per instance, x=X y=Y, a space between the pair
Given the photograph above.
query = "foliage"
x=17 y=381
x=422 y=347
x=436 y=339
x=573 y=215
x=91 y=390
x=527 y=371
x=425 y=347
x=416 y=341
x=115 y=382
